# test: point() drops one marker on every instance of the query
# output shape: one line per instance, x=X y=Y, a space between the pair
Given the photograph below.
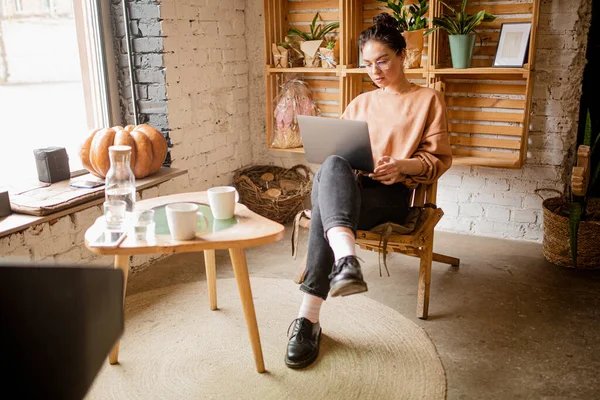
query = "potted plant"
x=312 y=41
x=412 y=24
x=460 y=28
x=572 y=221
x=329 y=54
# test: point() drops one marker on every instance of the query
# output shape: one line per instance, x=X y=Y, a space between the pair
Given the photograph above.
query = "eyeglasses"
x=381 y=65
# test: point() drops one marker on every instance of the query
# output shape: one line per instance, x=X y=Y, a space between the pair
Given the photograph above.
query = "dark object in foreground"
x=58 y=326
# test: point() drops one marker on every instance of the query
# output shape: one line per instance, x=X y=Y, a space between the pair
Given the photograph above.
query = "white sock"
x=310 y=308
x=341 y=242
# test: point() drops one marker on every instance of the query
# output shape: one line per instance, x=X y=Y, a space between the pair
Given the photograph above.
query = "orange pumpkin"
x=148 y=149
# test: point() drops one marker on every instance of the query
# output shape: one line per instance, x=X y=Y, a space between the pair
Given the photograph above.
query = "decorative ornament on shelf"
x=461 y=32
x=329 y=54
x=412 y=24
x=294 y=98
x=311 y=41
x=148 y=149
x=281 y=56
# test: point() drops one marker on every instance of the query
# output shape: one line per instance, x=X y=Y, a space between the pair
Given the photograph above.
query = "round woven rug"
x=175 y=347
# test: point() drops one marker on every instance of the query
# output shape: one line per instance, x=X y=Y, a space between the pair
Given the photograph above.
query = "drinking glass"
x=143 y=224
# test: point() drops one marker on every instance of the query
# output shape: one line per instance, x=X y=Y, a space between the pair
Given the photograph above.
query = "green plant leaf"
x=299 y=33
x=327 y=29
x=488 y=17
x=464 y=6
x=312 y=25
x=587 y=136
x=447 y=23
x=575 y=213
x=449 y=8
x=431 y=30
x=473 y=22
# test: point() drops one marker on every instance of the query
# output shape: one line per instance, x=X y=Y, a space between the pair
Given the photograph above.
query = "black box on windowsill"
x=4 y=204
x=52 y=164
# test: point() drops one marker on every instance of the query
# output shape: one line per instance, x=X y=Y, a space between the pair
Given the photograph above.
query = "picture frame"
x=513 y=43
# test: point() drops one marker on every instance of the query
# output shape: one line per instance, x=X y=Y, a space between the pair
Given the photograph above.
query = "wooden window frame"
x=98 y=68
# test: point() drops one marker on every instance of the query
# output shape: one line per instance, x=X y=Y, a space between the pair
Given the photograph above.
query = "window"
x=55 y=81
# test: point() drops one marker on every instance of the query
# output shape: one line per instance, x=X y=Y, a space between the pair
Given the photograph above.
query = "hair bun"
x=385 y=20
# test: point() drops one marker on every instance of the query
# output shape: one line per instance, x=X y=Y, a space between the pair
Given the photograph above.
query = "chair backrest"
x=424 y=194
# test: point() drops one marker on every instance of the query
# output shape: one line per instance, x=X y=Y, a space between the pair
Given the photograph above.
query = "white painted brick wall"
x=491 y=202
x=206 y=62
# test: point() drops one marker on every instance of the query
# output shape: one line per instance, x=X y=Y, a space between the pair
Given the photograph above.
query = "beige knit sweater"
x=412 y=124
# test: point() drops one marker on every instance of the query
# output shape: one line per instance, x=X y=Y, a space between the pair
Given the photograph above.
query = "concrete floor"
x=507 y=324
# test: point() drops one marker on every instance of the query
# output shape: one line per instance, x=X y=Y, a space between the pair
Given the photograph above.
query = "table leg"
x=121 y=262
x=211 y=277
x=240 y=268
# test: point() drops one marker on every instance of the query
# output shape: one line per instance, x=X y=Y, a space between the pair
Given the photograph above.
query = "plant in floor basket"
x=311 y=42
x=460 y=27
x=572 y=222
x=412 y=22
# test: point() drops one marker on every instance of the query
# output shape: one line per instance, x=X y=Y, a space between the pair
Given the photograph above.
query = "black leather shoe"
x=347 y=278
x=303 y=347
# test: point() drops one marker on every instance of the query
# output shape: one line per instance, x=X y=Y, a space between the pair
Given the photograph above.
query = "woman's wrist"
x=411 y=166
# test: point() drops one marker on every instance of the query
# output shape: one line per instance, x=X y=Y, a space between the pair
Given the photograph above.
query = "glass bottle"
x=120 y=181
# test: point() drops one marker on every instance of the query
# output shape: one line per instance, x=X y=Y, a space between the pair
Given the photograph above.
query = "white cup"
x=182 y=219
x=222 y=201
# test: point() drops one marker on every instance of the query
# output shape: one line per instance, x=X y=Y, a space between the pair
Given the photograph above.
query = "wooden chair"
x=418 y=244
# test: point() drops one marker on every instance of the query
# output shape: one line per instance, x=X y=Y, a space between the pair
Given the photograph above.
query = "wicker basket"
x=556 y=246
x=274 y=192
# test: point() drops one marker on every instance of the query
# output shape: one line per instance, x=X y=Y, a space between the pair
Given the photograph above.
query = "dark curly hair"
x=384 y=30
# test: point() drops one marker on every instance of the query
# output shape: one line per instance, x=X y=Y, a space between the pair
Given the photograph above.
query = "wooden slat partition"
x=485 y=142
x=484 y=102
x=505 y=130
x=485 y=116
x=313 y=5
x=306 y=18
x=326 y=96
x=485 y=88
x=488 y=108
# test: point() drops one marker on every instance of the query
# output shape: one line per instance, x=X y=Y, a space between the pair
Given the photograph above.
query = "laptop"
x=323 y=137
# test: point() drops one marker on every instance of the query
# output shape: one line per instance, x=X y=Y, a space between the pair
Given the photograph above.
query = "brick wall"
x=477 y=200
x=148 y=49
x=207 y=88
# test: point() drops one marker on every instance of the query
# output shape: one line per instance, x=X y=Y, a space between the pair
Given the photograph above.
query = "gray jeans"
x=341 y=198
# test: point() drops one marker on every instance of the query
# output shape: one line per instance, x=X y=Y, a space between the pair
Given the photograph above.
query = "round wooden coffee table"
x=245 y=229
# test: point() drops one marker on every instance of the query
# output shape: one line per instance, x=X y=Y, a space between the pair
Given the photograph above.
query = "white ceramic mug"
x=182 y=219
x=222 y=201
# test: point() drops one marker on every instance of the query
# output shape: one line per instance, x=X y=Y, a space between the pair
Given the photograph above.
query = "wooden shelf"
x=491 y=159
x=480 y=71
x=488 y=107
x=414 y=71
x=298 y=150
x=302 y=70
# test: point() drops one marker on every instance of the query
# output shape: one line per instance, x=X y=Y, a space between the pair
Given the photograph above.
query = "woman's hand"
x=388 y=170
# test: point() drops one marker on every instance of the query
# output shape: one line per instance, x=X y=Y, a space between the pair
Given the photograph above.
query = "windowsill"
x=19 y=222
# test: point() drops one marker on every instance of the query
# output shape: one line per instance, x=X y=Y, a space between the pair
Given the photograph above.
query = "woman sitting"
x=409 y=139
